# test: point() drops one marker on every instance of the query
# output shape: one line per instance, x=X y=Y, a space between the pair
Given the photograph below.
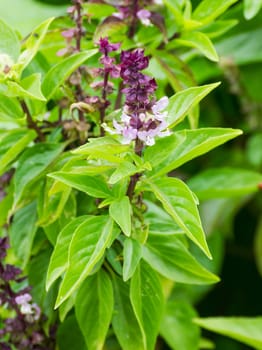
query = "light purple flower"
x=144 y=16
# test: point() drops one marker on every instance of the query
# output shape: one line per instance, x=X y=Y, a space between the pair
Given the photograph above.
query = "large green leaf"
x=62 y=70
x=132 y=254
x=147 y=300
x=59 y=259
x=29 y=87
x=251 y=8
x=181 y=103
x=208 y=10
x=87 y=247
x=32 y=164
x=12 y=144
x=159 y=221
x=124 y=321
x=93 y=186
x=179 y=202
x=225 y=182
x=177 y=327
x=32 y=44
x=23 y=231
x=9 y=43
x=170 y=152
x=94 y=308
x=244 y=329
x=199 y=41
x=169 y=256
x=120 y=211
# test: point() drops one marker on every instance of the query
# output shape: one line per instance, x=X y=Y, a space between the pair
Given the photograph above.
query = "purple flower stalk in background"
x=143 y=118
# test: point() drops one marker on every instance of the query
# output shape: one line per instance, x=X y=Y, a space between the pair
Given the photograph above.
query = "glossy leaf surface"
x=179 y=202
x=171 y=152
x=86 y=249
x=225 y=182
x=147 y=300
x=94 y=308
x=169 y=256
x=244 y=329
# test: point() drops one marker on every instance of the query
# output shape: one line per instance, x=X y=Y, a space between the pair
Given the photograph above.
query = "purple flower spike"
x=105 y=47
x=143 y=117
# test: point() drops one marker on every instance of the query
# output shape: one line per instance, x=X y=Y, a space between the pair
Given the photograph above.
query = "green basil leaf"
x=132 y=254
x=124 y=321
x=147 y=299
x=244 y=329
x=171 y=152
x=87 y=247
x=177 y=327
x=12 y=144
x=169 y=256
x=32 y=164
x=59 y=258
x=179 y=202
x=9 y=43
x=120 y=211
x=208 y=10
x=57 y=75
x=93 y=186
x=94 y=309
x=225 y=182
x=23 y=231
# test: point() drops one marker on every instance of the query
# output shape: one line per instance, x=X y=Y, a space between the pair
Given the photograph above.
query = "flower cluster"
x=25 y=329
x=142 y=116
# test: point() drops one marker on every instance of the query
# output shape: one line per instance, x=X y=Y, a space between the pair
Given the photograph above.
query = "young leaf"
x=132 y=254
x=23 y=231
x=93 y=186
x=244 y=329
x=59 y=259
x=170 y=152
x=94 y=308
x=177 y=327
x=147 y=300
x=103 y=147
x=33 y=162
x=169 y=256
x=124 y=321
x=29 y=87
x=179 y=202
x=181 y=103
x=251 y=8
x=124 y=170
x=120 y=211
x=208 y=10
x=225 y=182
x=199 y=41
x=62 y=70
x=12 y=144
x=9 y=43
x=87 y=247
x=32 y=44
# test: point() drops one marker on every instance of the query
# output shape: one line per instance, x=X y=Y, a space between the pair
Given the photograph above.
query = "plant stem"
x=134 y=178
x=30 y=122
x=119 y=95
x=132 y=28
